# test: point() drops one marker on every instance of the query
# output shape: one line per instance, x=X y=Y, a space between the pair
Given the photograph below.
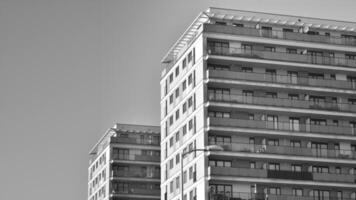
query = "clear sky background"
x=69 y=69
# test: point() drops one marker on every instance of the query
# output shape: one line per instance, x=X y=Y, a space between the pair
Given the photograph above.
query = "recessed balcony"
x=282 y=102
x=281 y=126
x=281 y=56
x=130 y=140
x=135 y=174
x=136 y=157
x=282 y=79
x=289 y=150
x=214 y=28
x=281 y=174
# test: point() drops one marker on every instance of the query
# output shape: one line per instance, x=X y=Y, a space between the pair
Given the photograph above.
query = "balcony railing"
x=134 y=190
x=284 y=79
x=282 y=102
x=283 y=126
x=263 y=196
x=136 y=157
x=279 y=34
x=130 y=140
x=282 y=174
x=135 y=174
x=289 y=150
x=282 y=56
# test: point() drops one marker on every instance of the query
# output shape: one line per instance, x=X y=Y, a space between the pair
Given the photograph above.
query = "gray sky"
x=69 y=69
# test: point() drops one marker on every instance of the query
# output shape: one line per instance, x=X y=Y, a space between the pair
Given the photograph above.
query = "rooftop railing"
x=283 y=35
x=282 y=174
x=289 y=150
x=282 y=126
x=215 y=195
x=281 y=56
x=285 y=79
x=282 y=102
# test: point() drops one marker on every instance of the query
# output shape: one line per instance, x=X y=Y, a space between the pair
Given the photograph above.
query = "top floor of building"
x=262 y=25
x=126 y=134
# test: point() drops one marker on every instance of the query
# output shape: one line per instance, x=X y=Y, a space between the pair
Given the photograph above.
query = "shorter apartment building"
x=125 y=164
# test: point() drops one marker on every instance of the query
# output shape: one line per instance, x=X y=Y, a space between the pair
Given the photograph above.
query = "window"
x=296 y=168
x=190 y=57
x=219 y=140
x=297 y=192
x=177 y=114
x=316 y=76
x=218 y=47
x=171 y=187
x=177 y=158
x=171 y=163
x=272 y=121
x=271 y=49
x=291 y=51
x=288 y=30
x=251 y=116
x=273 y=142
x=218 y=114
x=271 y=95
x=184 y=107
x=320 y=169
x=190 y=102
x=184 y=129
x=177 y=71
x=273 y=166
x=295 y=143
x=219 y=163
x=190 y=79
x=294 y=124
x=253 y=165
x=171 y=120
x=184 y=85
x=352 y=101
x=266 y=31
x=237 y=25
x=247 y=69
x=184 y=176
x=171 y=99
x=350 y=56
x=177 y=136
x=177 y=92
x=273 y=190
x=191 y=172
x=221 y=189
x=171 y=142
x=184 y=63
x=337 y=170
x=171 y=78
x=220 y=23
x=320 y=194
x=218 y=67
x=190 y=124
x=318 y=122
x=177 y=182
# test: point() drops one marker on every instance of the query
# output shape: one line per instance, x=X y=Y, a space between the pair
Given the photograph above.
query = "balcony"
x=289 y=150
x=281 y=56
x=282 y=126
x=130 y=140
x=281 y=102
x=135 y=174
x=283 y=79
x=262 y=196
x=214 y=28
x=282 y=174
x=136 y=157
x=136 y=191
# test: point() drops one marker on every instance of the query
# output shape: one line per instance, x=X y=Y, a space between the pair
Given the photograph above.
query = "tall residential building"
x=276 y=92
x=125 y=164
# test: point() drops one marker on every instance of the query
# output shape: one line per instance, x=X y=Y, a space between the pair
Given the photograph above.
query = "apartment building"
x=277 y=93
x=125 y=164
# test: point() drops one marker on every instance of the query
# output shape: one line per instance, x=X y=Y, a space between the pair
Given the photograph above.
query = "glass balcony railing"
x=136 y=191
x=282 y=126
x=262 y=196
x=282 y=174
x=284 y=79
x=135 y=174
x=282 y=102
x=282 y=56
x=136 y=157
x=289 y=150
x=279 y=34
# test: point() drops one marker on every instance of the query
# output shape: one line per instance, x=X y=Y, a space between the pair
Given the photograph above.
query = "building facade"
x=276 y=92
x=125 y=164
